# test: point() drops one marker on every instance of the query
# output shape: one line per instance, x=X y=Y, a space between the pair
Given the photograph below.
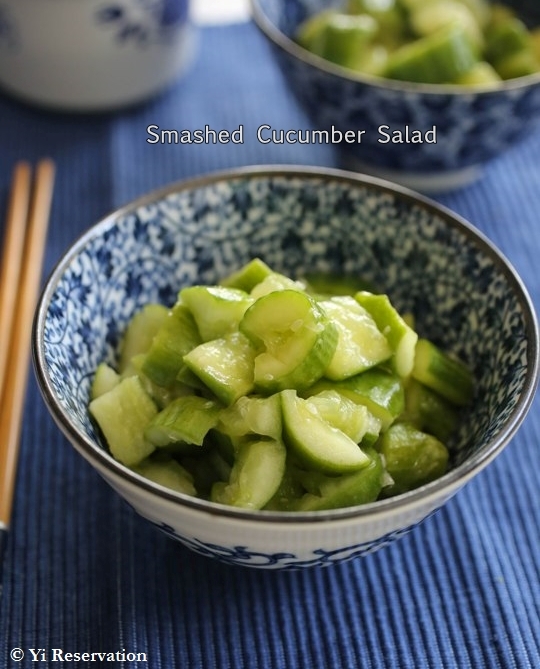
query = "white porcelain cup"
x=91 y=55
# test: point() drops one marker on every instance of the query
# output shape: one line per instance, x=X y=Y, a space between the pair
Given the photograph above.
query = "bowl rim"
x=285 y=43
x=442 y=487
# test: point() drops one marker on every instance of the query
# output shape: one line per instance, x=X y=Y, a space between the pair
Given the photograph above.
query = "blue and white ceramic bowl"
x=463 y=292
x=471 y=126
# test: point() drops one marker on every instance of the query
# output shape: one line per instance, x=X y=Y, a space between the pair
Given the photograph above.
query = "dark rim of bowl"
x=450 y=481
x=281 y=40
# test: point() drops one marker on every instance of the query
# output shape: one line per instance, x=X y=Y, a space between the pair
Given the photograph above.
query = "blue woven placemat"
x=85 y=574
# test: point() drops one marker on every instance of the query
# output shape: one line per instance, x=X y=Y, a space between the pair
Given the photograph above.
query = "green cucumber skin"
x=303 y=432
x=443 y=374
x=217 y=310
x=336 y=492
x=140 y=333
x=413 y=458
x=186 y=419
x=247 y=277
x=176 y=337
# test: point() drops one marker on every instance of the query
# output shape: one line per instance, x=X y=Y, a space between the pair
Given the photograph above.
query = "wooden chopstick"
x=25 y=238
x=12 y=257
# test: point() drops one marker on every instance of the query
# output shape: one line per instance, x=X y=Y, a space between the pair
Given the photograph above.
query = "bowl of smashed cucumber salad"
x=421 y=92
x=286 y=367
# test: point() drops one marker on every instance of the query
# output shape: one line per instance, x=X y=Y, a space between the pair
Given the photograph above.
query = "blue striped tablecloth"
x=85 y=574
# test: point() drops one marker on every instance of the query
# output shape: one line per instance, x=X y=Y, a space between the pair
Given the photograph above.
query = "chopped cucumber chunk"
x=379 y=390
x=248 y=276
x=140 y=333
x=177 y=336
x=412 y=458
x=122 y=415
x=445 y=375
x=105 y=379
x=225 y=366
x=360 y=343
x=401 y=338
x=186 y=419
x=253 y=415
x=255 y=476
x=217 y=310
x=344 y=414
x=315 y=442
x=295 y=338
x=167 y=473
x=334 y=492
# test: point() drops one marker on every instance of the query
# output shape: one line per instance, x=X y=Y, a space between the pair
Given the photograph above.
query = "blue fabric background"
x=84 y=573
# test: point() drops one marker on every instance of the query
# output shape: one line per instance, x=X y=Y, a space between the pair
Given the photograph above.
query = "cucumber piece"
x=217 y=310
x=315 y=442
x=176 y=337
x=342 y=413
x=122 y=415
x=412 y=458
x=248 y=276
x=185 y=420
x=400 y=336
x=334 y=492
x=428 y=411
x=255 y=476
x=162 y=395
x=105 y=379
x=167 y=473
x=445 y=375
x=225 y=366
x=311 y=32
x=295 y=337
x=389 y=14
x=505 y=38
x=520 y=64
x=346 y=36
x=480 y=9
x=140 y=332
x=480 y=74
x=379 y=390
x=431 y=17
x=275 y=282
x=289 y=492
x=336 y=36
x=252 y=415
x=439 y=58
x=360 y=343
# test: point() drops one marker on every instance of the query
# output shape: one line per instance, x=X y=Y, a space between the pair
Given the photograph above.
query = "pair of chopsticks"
x=20 y=274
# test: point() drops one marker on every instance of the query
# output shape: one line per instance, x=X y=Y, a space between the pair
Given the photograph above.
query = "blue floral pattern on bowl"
x=243 y=556
x=143 y=21
x=461 y=291
x=471 y=126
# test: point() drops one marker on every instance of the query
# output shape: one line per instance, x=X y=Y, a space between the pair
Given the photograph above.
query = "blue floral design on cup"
x=143 y=21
